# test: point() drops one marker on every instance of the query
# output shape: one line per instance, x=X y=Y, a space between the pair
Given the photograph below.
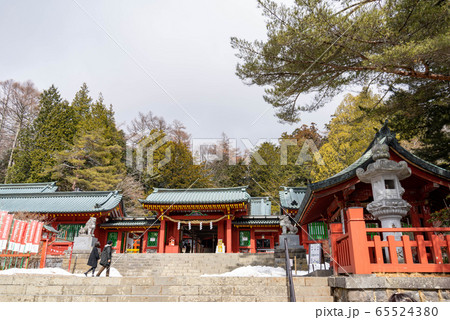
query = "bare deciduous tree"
x=5 y=106
x=19 y=105
x=132 y=191
x=144 y=124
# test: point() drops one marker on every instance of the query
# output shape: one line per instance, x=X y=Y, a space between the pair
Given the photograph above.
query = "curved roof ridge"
x=61 y=202
x=197 y=196
x=384 y=135
x=58 y=194
x=42 y=187
x=293 y=188
x=241 y=188
x=31 y=184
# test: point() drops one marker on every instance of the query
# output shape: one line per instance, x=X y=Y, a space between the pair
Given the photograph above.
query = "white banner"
x=4 y=231
x=25 y=233
x=29 y=241
x=37 y=237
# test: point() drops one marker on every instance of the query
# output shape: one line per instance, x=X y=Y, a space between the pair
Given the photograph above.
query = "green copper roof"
x=385 y=135
x=292 y=197
x=28 y=187
x=260 y=206
x=261 y=220
x=131 y=222
x=60 y=202
x=198 y=196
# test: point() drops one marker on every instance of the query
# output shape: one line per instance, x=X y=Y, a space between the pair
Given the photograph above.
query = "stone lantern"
x=384 y=175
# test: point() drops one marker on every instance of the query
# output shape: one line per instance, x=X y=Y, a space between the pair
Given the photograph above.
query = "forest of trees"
x=78 y=144
x=396 y=52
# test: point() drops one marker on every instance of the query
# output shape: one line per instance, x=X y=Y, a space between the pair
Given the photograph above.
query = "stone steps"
x=182 y=264
x=159 y=289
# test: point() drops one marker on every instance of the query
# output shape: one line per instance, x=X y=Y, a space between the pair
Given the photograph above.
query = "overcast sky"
x=122 y=48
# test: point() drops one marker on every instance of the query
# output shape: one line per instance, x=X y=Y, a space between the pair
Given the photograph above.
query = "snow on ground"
x=56 y=271
x=255 y=271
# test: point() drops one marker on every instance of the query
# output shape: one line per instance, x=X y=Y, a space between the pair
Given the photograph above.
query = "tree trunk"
x=12 y=151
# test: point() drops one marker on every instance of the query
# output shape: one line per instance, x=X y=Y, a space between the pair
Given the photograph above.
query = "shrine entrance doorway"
x=198 y=241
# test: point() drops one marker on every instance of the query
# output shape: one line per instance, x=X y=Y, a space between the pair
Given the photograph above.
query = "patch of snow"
x=44 y=271
x=56 y=271
x=252 y=271
x=299 y=273
x=257 y=271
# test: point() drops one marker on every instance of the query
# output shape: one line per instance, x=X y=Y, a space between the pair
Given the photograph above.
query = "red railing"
x=10 y=259
x=355 y=252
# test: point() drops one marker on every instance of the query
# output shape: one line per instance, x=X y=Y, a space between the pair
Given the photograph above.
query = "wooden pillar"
x=162 y=235
x=43 y=254
x=119 y=241
x=303 y=234
x=413 y=214
x=221 y=230
x=144 y=242
x=236 y=241
x=176 y=234
x=229 y=248
x=104 y=238
x=336 y=232
x=359 y=251
x=252 y=241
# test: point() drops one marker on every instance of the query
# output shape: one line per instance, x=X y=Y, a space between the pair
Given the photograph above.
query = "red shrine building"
x=66 y=212
x=229 y=220
x=179 y=220
x=425 y=189
x=340 y=204
x=198 y=220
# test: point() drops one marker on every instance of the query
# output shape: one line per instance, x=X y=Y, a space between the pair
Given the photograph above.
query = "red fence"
x=24 y=244
x=422 y=250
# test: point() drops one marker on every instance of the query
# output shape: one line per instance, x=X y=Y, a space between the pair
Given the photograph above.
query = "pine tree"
x=93 y=163
x=96 y=159
x=52 y=130
x=180 y=171
x=81 y=104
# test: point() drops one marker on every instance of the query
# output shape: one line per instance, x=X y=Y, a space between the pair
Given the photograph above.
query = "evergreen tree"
x=81 y=103
x=96 y=159
x=229 y=171
x=266 y=171
x=51 y=131
x=422 y=112
x=93 y=163
x=350 y=132
x=21 y=168
x=322 y=47
x=180 y=171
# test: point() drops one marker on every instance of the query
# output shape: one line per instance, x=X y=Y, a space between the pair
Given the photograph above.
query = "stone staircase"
x=177 y=264
x=159 y=289
x=196 y=264
x=166 y=277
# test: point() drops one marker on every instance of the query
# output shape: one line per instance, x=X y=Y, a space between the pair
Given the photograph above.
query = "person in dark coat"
x=105 y=259
x=93 y=259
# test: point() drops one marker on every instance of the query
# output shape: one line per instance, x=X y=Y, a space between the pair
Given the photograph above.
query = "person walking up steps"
x=105 y=260
x=93 y=259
